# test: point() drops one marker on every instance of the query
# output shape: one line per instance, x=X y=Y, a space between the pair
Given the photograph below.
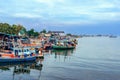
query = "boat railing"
x=9 y=44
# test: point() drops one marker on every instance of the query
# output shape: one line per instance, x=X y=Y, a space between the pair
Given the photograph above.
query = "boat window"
x=27 y=50
x=24 y=50
x=19 y=50
x=16 y=52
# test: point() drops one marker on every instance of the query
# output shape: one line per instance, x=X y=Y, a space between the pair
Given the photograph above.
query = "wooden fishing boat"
x=62 y=47
x=17 y=59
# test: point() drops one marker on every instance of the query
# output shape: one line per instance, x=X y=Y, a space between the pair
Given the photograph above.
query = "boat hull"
x=62 y=47
x=13 y=60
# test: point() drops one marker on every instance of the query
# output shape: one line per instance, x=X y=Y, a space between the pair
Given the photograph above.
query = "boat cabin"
x=22 y=51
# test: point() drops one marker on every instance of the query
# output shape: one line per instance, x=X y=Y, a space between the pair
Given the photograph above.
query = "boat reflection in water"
x=62 y=53
x=24 y=71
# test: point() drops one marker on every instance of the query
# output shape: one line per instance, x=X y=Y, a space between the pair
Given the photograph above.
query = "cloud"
x=50 y=2
x=1 y=11
x=63 y=11
x=99 y=10
x=106 y=16
x=81 y=10
x=27 y=15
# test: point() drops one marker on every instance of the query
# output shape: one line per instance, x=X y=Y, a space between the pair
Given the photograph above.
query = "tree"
x=17 y=28
x=36 y=34
x=69 y=34
x=4 y=27
x=43 y=31
x=8 y=29
x=30 y=32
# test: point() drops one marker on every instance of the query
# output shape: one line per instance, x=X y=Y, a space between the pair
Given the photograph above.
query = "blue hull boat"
x=15 y=60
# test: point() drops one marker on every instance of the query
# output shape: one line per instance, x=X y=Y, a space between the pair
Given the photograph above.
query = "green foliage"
x=69 y=34
x=10 y=29
x=16 y=29
x=32 y=33
x=36 y=34
x=5 y=28
x=43 y=31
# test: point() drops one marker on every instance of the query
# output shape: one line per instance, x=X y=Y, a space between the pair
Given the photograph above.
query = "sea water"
x=95 y=58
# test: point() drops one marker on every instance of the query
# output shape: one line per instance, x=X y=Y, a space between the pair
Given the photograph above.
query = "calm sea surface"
x=95 y=58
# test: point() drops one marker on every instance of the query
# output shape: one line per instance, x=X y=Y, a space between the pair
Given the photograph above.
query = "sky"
x=71 y=16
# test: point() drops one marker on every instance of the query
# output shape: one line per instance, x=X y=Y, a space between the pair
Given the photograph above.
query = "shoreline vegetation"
x=22 y=31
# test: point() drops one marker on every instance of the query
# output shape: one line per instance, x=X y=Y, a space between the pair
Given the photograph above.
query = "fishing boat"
x=64 y=44
x=112 y=36
x=17 y=60
x=62 y=47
